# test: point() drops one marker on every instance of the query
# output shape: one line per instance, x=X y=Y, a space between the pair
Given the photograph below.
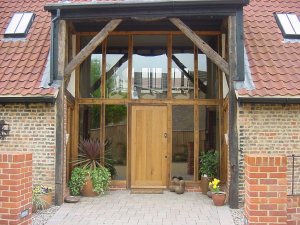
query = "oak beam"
x=232 y=112
x=91 y=46
x=60 y=141
x=201 y=44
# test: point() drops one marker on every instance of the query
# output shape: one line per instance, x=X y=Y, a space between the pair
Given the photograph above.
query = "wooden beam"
x=60 y=146
x=91 y=46
x=201 y=44
x=232 y=123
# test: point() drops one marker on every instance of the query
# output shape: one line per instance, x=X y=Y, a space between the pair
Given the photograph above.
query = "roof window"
x=289 y=24
x=19 y=24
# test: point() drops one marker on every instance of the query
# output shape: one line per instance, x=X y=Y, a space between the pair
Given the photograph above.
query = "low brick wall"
x=15 y=188
x=293 y=210
x=266 y=189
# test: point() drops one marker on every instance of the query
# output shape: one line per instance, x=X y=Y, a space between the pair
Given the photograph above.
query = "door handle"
x=165 y=135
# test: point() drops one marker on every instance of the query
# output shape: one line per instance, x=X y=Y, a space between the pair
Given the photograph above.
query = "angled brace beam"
x=90 y=47
x=202 y=45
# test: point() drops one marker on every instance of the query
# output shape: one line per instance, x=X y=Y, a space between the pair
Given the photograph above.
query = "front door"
x=149 y=147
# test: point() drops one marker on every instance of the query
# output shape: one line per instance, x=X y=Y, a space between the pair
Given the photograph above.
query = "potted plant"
x=41 y=197
x=218 y=196
x=89 y=177
x=208 y=168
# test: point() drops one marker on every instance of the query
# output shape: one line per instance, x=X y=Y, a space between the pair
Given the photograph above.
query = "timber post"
x=60 y=144
x=232 y=111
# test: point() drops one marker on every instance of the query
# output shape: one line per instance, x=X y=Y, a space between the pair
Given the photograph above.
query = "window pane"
x=183 y=142
x=285 y=23
x=89 y=122
x=182 y=68
x=116 y=137
x=209 y=139
x=117 y=67
x=295 y=22
x=13 y=24
x=22 y=27
x=207 y=76
x=90 y=72
x=150 y=63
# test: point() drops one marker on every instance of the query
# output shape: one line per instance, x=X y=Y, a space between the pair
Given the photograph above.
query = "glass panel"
x=295 y=22
x=182 y=68
x=183 y=142
x=23 y=25
x=285 y=23
x=150 y=67
x=116 y=137
x=13 y=24
x=90 y=72
x=89 y=122
x=209 y=139
x=117 y=67
x=207 y=75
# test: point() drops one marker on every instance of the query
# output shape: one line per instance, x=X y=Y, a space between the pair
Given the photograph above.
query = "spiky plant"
x=89 y=154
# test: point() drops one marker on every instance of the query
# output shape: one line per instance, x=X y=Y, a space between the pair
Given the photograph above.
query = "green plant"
x=209 y=163
x=37 y=201
x=100 y=177
x=77 y=180
x=37 y=192
x=88 y=165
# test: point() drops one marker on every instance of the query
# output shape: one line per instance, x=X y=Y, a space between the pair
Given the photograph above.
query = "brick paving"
x=121 y=207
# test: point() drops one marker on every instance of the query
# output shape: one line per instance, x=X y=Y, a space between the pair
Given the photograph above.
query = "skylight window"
x=289 y=24
x=19 y=24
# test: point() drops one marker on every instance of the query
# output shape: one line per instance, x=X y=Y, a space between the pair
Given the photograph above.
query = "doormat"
x=146 y=191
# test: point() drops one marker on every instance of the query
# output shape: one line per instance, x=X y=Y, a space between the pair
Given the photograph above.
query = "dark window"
x=289 y=24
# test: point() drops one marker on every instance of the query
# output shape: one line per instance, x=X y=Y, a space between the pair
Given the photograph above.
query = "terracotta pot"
x=87 y=189
x=48 y=199
x=204 y=185
x=219 y=198
x=48 y=202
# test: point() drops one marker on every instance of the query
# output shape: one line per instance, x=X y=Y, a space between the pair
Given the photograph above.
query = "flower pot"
x=46 y=202
x=219 y=198
x=204 y=184
x=87 y=189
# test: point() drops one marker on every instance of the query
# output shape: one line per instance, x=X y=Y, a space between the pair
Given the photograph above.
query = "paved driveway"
x=121 y=207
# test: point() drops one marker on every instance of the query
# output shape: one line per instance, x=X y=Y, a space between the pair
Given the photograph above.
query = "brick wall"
x=265 y=189
x=32 y=129
x=293 y=210
x=15 y=187
x=268 y=129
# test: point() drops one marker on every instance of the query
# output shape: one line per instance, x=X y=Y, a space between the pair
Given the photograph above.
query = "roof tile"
x=274 y=64
x=22 y=62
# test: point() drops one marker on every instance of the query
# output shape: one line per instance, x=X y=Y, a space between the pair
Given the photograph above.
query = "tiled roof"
x=274 y=63
x=22 y=62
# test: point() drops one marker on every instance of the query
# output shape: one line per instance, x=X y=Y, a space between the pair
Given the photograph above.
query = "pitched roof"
x=23 y=61
x=274 y=62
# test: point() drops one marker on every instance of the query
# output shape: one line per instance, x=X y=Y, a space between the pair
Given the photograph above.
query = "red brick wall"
x=269 y=129
x=32 y=130
x=293 y=210
x=265 y=189
x=15 y=187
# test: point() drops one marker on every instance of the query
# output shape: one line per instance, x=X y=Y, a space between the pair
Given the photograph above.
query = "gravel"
x=238 y=216
x=42 y=216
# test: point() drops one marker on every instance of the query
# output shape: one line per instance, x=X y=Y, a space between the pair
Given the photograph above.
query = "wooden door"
x=149 y=147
